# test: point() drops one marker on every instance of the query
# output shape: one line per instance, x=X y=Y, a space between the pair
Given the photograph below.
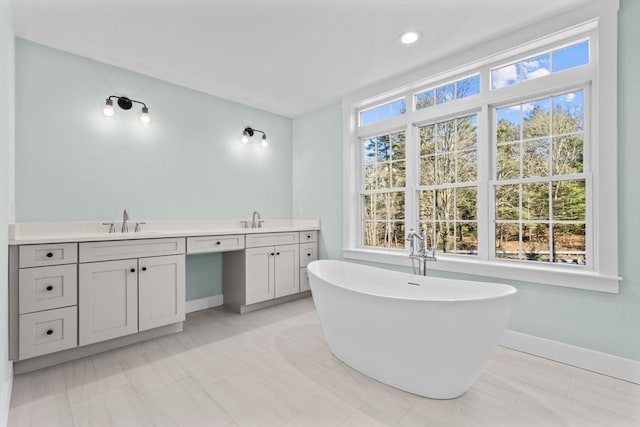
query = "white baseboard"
x=5 y=397
x=602 y=363
x=203 y=303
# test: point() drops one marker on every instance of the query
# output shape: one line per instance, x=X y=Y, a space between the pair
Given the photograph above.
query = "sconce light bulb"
x=108 y=108
x=264 y=141
x=144 y=117
x=245 y=137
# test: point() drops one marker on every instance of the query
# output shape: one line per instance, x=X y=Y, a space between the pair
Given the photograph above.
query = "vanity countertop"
x=59 y=232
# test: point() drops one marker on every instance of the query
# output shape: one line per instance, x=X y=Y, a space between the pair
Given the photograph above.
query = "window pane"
x=568 y=113
x=466 y=238
x=535 y=160
x=536 y=120
x=382 y=237
x=383 y=112
x=508 y=202
x=397 y=235
x=508 y=124
x=535 y=242
x=427 y=140
x=508 y=161
x=466 y=129
x=396 y=205
x=368 y=206
x=425 y=210
x=445 y=204
x=466 y=203
x=507 y=241
x=467 y=163
x=445 y=235
x=383 y=174
x=571 y=56
x=445 y=93
x=369 y=151
x=533 y=68
x=428 y=230
x=427 y=170
x=535 y=200
x=370 y=179
x=567 y=155
x=383 y=148
x=445 y=168
x=468 y=87
x=445 y=136
x=398 y=151
x=569 y=243
x=398 y=174
x=369 y=233
x=425 y=99
x=505 y=76
x=382 y=206
x=569 y=200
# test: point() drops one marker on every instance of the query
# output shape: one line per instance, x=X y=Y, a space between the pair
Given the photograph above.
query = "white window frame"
x=599 y=78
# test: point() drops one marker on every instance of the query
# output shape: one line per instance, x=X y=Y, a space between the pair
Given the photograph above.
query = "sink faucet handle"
x=112 y=227
x=260 y=221
x=244 y=224
x=138 y=228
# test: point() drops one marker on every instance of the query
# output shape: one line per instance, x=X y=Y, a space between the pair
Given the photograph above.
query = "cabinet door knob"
x=49 y=331
x=144 y=268
x=217 y=243
x=277 y=253
x=308 y=236
x=133 y=270
x=49 y=288
x=49 y=254
x=271 y=254
x=308 y=254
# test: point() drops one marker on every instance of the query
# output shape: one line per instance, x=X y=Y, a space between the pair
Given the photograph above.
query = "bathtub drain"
x=414 y=284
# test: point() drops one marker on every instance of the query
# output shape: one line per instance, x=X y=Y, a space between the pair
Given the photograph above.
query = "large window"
x=506 y=165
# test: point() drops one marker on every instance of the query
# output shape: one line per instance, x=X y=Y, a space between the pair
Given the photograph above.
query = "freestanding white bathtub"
x=425 y=335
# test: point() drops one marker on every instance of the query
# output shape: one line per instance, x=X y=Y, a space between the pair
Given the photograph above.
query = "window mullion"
x=485 y=153
x=412 y=159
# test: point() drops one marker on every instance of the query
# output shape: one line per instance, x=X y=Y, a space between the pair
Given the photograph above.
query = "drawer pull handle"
x=144 y=268
x=49 y=288
x=49 y=254
x=49 y=331
x=133 y=270
x=217 y=243
x=308 y=236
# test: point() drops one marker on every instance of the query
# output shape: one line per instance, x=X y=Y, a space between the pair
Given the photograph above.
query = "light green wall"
x=317 y=173
x=73 y=164
x=593 y=320
x=6 y=142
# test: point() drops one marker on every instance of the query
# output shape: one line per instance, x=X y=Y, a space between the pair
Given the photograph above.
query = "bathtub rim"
x=508 y=290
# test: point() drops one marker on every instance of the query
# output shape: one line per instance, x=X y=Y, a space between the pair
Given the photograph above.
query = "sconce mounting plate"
x=125 y=103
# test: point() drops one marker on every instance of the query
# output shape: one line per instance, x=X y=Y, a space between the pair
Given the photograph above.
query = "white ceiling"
x=285 y=56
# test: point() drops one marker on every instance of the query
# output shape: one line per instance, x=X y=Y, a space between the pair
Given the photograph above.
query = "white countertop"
x=53 y=232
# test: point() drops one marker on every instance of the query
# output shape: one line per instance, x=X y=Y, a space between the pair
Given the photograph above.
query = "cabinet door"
x=259 y=277
x=287 y=270
x=107 y=300
x=161 y=289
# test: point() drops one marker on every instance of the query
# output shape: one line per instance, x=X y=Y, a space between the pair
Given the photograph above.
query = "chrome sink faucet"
x=420 y=254
x=255 y=224
x=125 y=218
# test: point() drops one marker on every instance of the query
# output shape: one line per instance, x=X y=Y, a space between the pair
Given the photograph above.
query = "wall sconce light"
x=126 y=104
x=248 y=133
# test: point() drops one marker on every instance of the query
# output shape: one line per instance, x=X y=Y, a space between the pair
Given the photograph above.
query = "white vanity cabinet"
x=271 y=272
x=124 y=296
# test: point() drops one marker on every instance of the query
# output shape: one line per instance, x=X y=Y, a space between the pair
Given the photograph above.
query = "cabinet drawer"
x=308 y=253
x=308 y=236
x=48 y=331
x=204 y=244
x=45 y=288
x=271 y=239
x=124 y=249
x=48 y=254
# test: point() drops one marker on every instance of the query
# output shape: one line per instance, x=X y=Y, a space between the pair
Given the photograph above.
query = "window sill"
x=547 y=275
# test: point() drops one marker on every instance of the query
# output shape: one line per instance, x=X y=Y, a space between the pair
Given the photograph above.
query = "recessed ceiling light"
x=409 y=37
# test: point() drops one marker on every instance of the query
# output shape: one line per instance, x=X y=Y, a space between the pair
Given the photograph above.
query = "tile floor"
x=273 y=368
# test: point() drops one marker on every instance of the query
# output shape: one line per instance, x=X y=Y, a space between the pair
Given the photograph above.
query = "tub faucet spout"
x=420 y=254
